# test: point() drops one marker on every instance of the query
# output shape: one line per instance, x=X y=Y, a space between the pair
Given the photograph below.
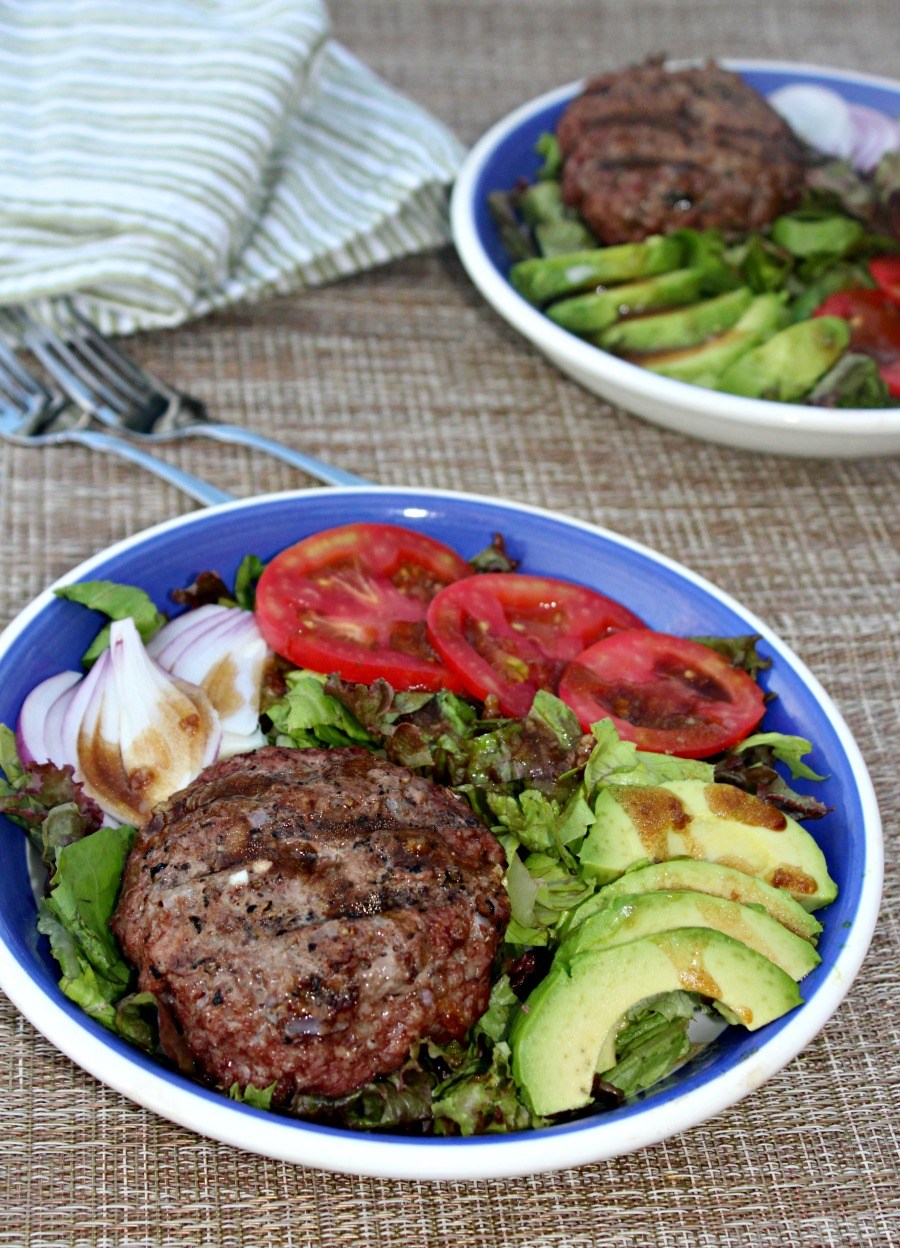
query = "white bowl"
x=506 y=153
x=52 y=634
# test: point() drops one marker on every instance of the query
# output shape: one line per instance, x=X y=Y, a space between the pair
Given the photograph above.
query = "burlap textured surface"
x=404 y=376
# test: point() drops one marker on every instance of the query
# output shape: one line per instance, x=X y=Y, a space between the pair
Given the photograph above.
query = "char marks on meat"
x=304 y=916
x=649 y=150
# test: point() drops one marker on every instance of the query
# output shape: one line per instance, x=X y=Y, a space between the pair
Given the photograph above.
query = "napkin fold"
x=163 y=158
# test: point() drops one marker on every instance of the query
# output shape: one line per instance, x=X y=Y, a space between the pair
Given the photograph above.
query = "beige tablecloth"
x=405 y=376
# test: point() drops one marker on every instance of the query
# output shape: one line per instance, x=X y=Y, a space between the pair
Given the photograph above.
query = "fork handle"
x=196 y=487
x=248 y=437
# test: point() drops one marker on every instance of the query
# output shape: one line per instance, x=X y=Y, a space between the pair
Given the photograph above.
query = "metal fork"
x=32 y=415
x=116 y=391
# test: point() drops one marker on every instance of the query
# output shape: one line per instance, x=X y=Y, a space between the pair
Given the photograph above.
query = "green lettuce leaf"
x=739 y=651
x=75 y=917
x=886 y=182
x=45 y=800
x=259 y=1098
x=515 y=234
x=503 y=1005
x=392 y=1102
x=547 y=146
x=308 y=716
x=751 y=766
x=119 y=602
x=787 y=749
x=442 y=735
x=543 y=751
x=652 y=1042
x=539 y=822
x=136 y=1019
x=482 y=1098
x=246 y=578
x=495 y=557
x=10 y=763
x=614 y=761
x=541 y=889
x=854 y=381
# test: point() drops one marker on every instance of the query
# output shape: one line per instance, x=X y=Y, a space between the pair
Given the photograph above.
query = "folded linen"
x=163 y=158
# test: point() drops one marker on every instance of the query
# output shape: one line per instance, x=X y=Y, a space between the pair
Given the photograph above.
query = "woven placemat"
x=405 y=377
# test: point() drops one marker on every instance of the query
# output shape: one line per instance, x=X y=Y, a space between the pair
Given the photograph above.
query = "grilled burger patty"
x=304 y=916
x=649 y=150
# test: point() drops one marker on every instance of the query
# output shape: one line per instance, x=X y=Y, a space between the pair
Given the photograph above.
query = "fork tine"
x=65 y=366
x=101 y=367
x=15 y=379
x=10 y=380
x=103 y=359
x=21 y=389
x=119 y=367
x=26 y=406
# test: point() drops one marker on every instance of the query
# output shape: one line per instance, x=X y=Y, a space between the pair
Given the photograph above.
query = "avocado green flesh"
x=557 y=238
x=790 y=363
x=711 y=878
x=588 y=314
x=714 y=822
x=644 y=914
x=703 y=364
x=684 y=327
x=567 y=1031
x=542 y=202
x=544 y=278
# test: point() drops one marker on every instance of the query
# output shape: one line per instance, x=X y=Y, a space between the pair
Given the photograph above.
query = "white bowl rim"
x=477 y=1157
x=728 y=410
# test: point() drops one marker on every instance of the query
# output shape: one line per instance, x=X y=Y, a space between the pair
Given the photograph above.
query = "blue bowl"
x=51 y=634
x=506 y=153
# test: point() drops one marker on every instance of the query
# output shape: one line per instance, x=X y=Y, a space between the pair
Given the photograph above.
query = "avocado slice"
x=790 y=363
x=567 y=1033
x=588 y=314
x=558 y=238
x=717 y=822
x=685 y=327
x=702 y=364
x=643 y=914
x=711 y=878
x=544 y=278
x=542 y=202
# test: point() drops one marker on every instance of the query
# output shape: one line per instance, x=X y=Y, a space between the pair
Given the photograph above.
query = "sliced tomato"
x=886 y=271
x=666 y=694
x=509 y=635
x=874 y=325
x=353 y=600
x=891 y=375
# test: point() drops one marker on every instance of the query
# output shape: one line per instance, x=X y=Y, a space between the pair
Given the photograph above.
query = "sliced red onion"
x=183 y=632
x=241 y=743
x=874 y=134
x=819 y=116
x=222 y=650
x=137 y=734
x=53 y=729
x=37 y=732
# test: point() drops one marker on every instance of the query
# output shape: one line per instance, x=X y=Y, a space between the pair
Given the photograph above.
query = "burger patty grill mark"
x=649 y=150
x=304 y=916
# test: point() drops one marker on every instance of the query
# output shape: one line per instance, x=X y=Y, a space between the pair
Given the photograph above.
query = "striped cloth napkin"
x=163 y=158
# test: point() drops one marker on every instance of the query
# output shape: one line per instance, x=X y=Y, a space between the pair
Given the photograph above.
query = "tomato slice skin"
x=874 y=322
x=886 y=271
x=508 y=634
x=665 y=694
x=891 y=375
x=353 y=600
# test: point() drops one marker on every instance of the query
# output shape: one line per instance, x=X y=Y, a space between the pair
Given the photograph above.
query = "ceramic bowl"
x=51 y=634
x=506 y=153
